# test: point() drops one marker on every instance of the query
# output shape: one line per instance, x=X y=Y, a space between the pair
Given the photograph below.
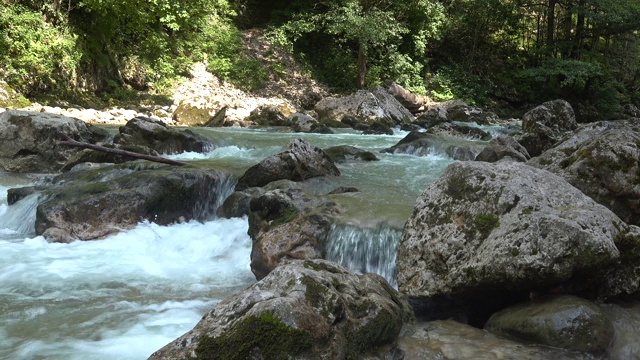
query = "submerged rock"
x=603 y=161
x=158 y=136
x=288 y=224
x=302 y=310
x=300 y=161
x=92 y=204
x=29 y=140
x=423 y=144
x=566 y=322
x=483 y=231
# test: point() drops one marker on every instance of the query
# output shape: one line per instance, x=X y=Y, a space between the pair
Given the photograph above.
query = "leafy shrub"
x=34 y=56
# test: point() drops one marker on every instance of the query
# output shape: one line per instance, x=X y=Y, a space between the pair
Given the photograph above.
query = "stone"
x=187 y=114
x=486 y=230
x=566 y=322
x=465 y=113
x=92 y=204
x=503 y=147
x=268 y=115
x=141 y=131
x=460 y=131
x=29 y=140
x=311 y=309
x=431 y=117
x=451 y=340
x=300 y=122
x=546 y=125
x=299 y=161
x=603 y=161
x=424 y=144
x=288 y=224
x=342 y=153
x=363 y=107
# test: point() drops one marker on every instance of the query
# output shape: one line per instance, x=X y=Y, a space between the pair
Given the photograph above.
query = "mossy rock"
x=10 y=99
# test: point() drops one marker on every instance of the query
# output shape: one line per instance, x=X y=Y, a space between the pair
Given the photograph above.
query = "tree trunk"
x=362 y=65
x=551 y=25
x=70 y=142
x=580 y=25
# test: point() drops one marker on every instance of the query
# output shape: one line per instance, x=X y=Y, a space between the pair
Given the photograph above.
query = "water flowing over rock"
x=288 y=224
x=28 y=140
x=626 y=321
x=566 y=322
x=158 y=136
x=302 y=310
x=365 y=250
x=363 y=107
x=300 y=161
x=486 y=230
x=545 y=125
x=503 y=147
x=91 y=204
x=603 y=161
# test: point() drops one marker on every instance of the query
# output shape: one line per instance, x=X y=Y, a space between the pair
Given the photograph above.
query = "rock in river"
x=310 y=309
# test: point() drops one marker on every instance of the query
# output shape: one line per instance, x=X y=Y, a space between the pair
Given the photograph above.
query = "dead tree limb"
x=159 y=159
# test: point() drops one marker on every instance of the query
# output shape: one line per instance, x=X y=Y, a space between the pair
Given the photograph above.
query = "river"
x=128 y=295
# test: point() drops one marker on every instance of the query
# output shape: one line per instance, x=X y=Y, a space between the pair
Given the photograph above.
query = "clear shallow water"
x=128 y=295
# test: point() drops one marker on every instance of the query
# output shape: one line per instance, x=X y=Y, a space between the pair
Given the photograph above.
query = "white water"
x=119 y=298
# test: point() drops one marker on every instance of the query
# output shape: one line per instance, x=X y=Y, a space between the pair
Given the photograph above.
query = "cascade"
x=365 y=250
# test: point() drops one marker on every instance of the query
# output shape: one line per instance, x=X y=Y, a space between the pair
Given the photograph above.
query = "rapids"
x=128 y=295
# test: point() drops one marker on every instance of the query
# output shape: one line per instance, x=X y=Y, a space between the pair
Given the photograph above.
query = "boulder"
x=460 y=131
x=141 y=131
x=305 y=123
x=545 y=125
x=566 y=322
x=300 y=161
x=288 y=224
x=92 y=204
x=486 y=231
x=424 y=144
x=363 y=107
x=342 y=153
x=465 y=113
x=503 y=147
x=432 y=117
x=192 y=115
x=29 y=140
x=603 y=161
x=237 y=204
x=450 y=340
x=268 y=115
x=302 y=310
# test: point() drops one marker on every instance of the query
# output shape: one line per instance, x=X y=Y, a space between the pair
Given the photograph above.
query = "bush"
x=35 y=57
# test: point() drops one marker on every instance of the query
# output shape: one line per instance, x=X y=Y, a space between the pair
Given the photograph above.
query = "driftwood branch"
x=159 y=159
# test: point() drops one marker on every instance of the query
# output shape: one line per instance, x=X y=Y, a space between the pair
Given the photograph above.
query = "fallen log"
x=158 y=159
x=413 y=102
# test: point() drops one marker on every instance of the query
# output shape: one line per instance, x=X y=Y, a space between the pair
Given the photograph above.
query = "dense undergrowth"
x=507 y=52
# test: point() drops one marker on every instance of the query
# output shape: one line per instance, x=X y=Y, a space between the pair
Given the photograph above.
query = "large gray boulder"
x=141 y=131
x=29 y=140
x=342 y=153
x=566 y=322
x=425 y=143
x=603 y=161
x=288 y=224
x=300 y=122
x=302 y=310
x=545 y=125
x=483 y=230
x=465 y=113
x=363 y=107
x=300 y=161
x=95 y=203
x=268 y=115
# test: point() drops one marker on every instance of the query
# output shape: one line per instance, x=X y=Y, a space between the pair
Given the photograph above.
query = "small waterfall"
x=365 y=250
x=19 y=218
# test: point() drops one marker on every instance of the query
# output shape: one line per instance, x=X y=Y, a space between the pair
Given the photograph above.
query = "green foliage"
x=34 y=56
x=453 y=82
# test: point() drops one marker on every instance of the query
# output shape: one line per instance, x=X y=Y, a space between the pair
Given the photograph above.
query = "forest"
x=500 y=53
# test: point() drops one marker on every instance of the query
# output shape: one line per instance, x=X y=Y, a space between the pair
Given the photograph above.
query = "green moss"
x=515 y=252
x=287 y=215
x=546 y=162
x=317 y=266
x=627 y=243
x=315 y=293
x=485 y=223
x=264 y=336
x=527 y=211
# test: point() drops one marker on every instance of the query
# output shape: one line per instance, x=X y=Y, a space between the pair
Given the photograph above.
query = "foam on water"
x=217 y=153
x=119 y=298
